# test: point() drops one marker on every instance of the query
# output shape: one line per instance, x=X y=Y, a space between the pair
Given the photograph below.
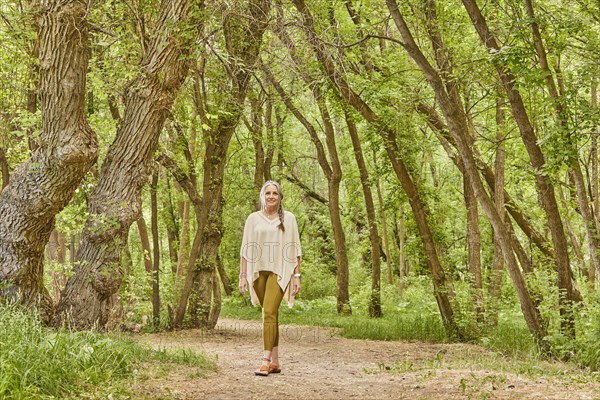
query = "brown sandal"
x=264 y=369
x=274 y=368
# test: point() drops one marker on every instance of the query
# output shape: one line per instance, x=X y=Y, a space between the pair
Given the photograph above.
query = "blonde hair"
x=263 y=203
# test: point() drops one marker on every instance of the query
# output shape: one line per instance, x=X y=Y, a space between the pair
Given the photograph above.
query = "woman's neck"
x=270 y=211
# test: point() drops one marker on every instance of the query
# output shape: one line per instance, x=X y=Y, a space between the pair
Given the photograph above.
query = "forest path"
x=318 y=364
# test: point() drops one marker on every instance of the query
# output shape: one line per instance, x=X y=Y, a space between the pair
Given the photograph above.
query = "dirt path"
x=318 y=364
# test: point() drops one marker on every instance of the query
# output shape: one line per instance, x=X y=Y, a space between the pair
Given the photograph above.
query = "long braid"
x=280 y=211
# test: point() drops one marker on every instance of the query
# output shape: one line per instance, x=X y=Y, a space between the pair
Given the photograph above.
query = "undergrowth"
x=40 y=363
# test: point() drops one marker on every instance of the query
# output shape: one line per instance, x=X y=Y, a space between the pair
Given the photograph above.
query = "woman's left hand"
x=296 y=285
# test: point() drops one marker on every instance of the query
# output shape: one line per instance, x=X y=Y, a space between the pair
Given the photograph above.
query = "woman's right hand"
x=243 y=286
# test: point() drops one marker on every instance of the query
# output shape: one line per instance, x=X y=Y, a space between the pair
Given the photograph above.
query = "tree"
x=442 y=286
x=243 y=39
x=375 y=302
x=42 y=186
x=114 y=205
x=544 y=185
x=447 y=96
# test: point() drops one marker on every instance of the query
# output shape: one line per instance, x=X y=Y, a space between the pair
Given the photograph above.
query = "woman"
x=270 y=260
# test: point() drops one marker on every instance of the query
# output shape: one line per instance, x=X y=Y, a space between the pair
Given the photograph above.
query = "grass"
x=469 y=358
x=40 y=363
x=413 y=318
x=322 y=312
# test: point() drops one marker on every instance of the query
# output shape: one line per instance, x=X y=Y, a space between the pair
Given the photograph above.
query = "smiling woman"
x=271 y=256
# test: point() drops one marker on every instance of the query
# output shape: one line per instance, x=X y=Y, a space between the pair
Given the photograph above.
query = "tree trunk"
x=205 y=248
x=544 y=185
x=498 y=262
x=116 y=200
x=263 y=159
x=188 y=184
x=593 y=274
x=56 y=253
x=172 y=228
x=145 y=241
x=156 y=251
x=4 y=168
x=255 y=128
x=375 y=300
x=457 y=124
x=72 y=248
x=339 y=237
x=402 y=265
x=386 y=237
x=474 y=248
x=382 y=215
x=270 y=139
x=42 y=186
x=184 y=241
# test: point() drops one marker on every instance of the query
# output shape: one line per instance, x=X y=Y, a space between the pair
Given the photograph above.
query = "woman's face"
x=272 y=197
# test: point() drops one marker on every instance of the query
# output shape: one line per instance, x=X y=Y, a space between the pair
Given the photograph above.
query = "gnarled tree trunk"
x=116 y=200
x=42 y=186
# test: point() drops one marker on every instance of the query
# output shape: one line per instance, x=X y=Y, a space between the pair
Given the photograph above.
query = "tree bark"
x=155 y=251
x=4 y=168
x=145 y=241
x=474 y=248
x=172 y=227
x=375 y=300
x=42 y=186
x=255 y=128
x=498 y=262
x=386 y=237
x=449 y=100
x=544 y=185
x=339 y=237
x=402 y=264
x=184 y=242
x=592 y=275
x=116 y=200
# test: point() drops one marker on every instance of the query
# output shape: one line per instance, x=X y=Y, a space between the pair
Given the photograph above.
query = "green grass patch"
x=41 y=363
x=416 y=319
x=397 y=325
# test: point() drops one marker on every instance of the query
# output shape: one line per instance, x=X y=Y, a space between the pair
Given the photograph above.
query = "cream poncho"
x=266 y=248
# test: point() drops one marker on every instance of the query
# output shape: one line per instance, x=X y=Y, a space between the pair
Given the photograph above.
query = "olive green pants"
x=269 y=295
